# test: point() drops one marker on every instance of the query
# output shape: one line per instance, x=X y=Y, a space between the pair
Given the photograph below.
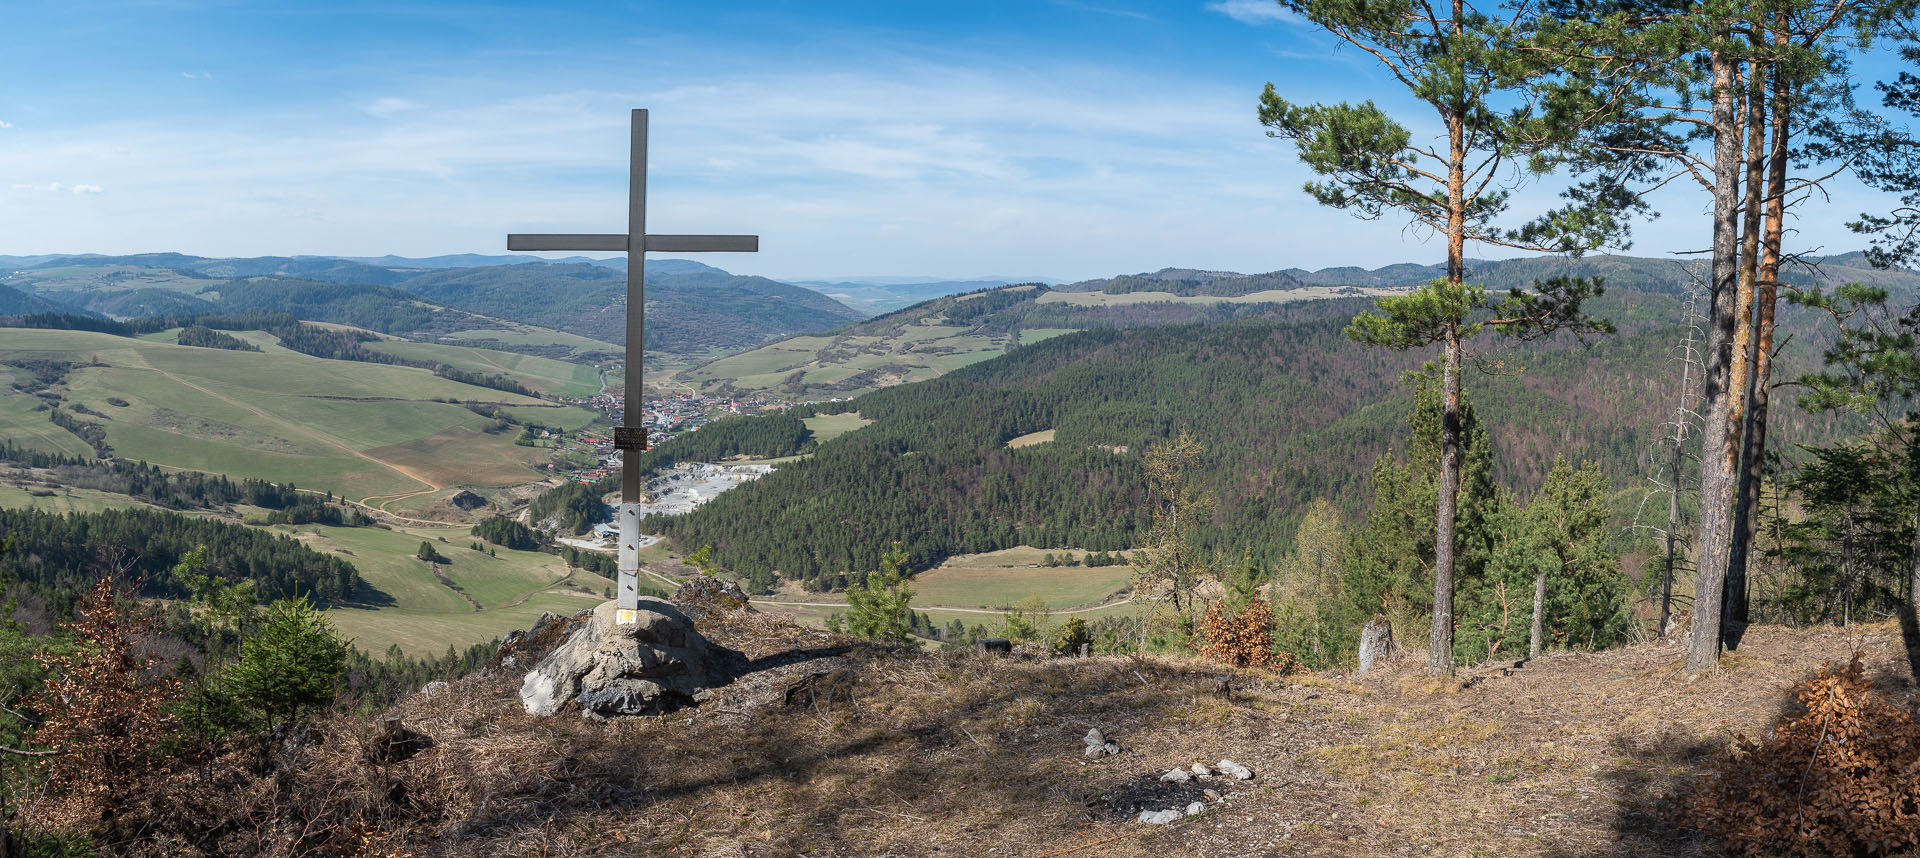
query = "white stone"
x=1201 y=770
x=1159 y=817
x=1196 y=808
x=1239 y=772
x=1178 y=776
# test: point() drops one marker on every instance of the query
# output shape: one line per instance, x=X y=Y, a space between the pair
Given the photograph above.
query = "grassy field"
x=516 y=334
x=110 y=278
x=546 y=375
x=830 y=426
x=416 y=610
x=998 y=579
x=977 y=589
x=23 y=425
x=847 y=365
x=425 y=615
x=13 y=496
x=365 y=431
x=1031 y=438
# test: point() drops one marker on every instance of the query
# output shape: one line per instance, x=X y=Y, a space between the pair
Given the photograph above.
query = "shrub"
x=1073 y=633
x=1837 y=779
x=1243 y=639
x=104 y=718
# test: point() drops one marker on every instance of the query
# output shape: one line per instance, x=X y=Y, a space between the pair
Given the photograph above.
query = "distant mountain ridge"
x=696 y=307
x=1639 y=273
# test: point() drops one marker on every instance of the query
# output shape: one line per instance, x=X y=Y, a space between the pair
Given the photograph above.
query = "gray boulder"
x=655 y=665
x=1159 y=817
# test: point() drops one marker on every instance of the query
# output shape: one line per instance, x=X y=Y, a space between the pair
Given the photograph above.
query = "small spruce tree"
x=879 y=608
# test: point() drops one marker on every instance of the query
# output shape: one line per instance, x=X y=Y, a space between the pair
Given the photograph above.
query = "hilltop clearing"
x=861 y=751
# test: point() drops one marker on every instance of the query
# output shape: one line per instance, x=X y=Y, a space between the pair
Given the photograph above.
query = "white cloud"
x=57 y=187
x=1253 y=11
x=197 y=75
x=5 y=124
x=390 y=106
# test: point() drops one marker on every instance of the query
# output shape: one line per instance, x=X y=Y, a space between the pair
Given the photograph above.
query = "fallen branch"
x=18 y=752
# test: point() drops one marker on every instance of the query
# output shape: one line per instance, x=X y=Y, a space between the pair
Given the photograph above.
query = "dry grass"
x=868 y=751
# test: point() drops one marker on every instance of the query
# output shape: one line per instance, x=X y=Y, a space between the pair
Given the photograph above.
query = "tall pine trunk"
x=1733 y=610
x=1910 y=618
x=1753 y=451
x=1440 y=645
x=1719 y=440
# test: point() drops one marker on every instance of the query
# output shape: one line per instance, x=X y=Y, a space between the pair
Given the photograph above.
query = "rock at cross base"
x=1376 y=643
x=706 y=596
x=655 y=665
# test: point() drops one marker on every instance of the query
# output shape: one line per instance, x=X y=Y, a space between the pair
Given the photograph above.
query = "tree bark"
x=1719 y=442
x=1733 y=609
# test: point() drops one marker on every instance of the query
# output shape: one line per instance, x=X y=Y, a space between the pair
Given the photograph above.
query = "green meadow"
x=365 y=431
x=423 y=615
x=545 y=375
x=847 y=364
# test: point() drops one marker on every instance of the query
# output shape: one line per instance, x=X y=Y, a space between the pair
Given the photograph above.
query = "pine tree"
x=878 y=609
x=290 y=665
x=1459 y=61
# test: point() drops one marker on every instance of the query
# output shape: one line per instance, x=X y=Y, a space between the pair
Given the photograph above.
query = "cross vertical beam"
x=631 y=413
x=631 y=437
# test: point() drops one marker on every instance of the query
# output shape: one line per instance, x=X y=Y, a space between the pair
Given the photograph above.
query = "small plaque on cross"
x=629 y=438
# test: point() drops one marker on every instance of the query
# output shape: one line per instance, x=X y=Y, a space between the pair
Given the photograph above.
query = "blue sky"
x=1054 y=138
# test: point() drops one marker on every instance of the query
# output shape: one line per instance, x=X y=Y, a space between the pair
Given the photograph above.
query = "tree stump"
x=1376 y=643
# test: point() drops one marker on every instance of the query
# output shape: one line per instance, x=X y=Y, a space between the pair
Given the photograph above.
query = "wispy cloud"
x=5 y=124
x=197 y=75
x=385 y=107
x=1253 y=11
x=1105 y=10
x=57 y=187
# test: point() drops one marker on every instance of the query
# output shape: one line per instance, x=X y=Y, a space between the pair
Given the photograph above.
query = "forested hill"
x=687 y=311
x=1288 y=408
x=1644 y=274
x=939 y=335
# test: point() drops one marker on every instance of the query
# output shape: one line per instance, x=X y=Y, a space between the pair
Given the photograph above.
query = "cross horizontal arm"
x=566 y=242
x=704 y=243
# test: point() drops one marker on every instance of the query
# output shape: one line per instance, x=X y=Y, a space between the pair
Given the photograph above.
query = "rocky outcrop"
x=654 y=665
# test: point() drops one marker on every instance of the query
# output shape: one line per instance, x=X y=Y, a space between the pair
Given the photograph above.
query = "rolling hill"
x=694 y=308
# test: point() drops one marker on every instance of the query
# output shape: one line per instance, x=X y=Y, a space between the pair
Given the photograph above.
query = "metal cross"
x=631 y=437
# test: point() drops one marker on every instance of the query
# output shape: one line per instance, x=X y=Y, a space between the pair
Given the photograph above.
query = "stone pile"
x=1098 y=745
x=1197 y=772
